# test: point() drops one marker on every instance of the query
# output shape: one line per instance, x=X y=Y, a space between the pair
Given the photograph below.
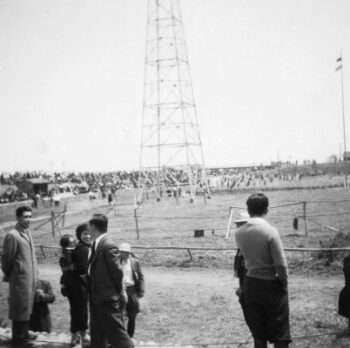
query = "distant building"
x=346 y=156
x=33 y=186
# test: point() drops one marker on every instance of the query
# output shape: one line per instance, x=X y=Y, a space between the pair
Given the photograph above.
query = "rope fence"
x=209 y=249
x=57 y=219
x=189 y=249
x=304 y=215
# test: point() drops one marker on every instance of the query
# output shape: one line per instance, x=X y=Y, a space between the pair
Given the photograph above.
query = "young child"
x=40 y=320
x=68 y=244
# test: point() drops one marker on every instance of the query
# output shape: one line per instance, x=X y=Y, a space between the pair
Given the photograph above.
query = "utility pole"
x=340 y=67
x=171 y=148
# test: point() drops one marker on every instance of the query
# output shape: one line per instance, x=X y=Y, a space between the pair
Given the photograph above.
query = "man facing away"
x=265 y=287
x=20 y=270
x=134 y=282
x=107 y=296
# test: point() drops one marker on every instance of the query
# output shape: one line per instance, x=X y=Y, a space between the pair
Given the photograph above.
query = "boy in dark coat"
x=40 y=319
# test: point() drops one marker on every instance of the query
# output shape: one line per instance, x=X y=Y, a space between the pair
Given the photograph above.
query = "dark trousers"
x=132 y=308
x=19 y=330
x=107 y=325
x=78 y=303
x=266 y=310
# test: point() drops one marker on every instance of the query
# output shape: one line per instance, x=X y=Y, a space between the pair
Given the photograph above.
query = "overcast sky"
x=263 y=73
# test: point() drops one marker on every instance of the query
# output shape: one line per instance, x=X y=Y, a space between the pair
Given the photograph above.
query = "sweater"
x=262 y=249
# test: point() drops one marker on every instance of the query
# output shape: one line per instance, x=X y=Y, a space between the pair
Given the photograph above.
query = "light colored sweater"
x=262 y=249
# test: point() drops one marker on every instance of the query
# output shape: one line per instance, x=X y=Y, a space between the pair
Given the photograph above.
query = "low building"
x=346 y=156
x=34 y=186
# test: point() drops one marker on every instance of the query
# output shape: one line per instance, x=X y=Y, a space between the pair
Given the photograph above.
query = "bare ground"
x=198 y=306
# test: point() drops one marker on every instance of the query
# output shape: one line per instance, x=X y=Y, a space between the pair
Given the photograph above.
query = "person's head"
x=83 y=235
x=257 y=204
x=67 y=242
x=98 y=225
x=125 y=251
x=24 y=216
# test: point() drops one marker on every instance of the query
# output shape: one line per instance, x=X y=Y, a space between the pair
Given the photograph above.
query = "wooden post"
x=304 y=216
x=189 y=252
x=137 y=224
x=42 y=251
x=64 y=215
x=53 y=218
x=229 y=223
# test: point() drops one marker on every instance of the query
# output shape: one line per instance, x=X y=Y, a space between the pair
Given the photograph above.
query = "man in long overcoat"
x=20 y=270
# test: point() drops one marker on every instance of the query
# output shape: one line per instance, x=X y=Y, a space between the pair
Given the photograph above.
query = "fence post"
x=64 y=215
x=189 y=252
x=137 y=223
x=305 y=221
x=229 y=222
x=42 y=251
x=53 y=218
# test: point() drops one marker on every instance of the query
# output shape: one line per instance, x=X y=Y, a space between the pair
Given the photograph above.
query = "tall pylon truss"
x=171 y=147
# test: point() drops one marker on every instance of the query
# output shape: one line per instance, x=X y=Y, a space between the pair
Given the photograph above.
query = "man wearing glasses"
x=20 y=271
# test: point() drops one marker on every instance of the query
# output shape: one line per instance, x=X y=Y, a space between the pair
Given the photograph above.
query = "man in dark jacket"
x=40 y=320
x=107 y=296
x=134 y=282
x=20 y=270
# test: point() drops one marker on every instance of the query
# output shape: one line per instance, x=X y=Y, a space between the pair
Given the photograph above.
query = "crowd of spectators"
x=63 y=182
x=217 y=178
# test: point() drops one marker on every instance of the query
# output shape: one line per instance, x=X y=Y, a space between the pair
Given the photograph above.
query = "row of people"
x=104 y=278
x=110 y=279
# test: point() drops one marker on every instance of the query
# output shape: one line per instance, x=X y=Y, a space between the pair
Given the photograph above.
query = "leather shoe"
x=31 y=336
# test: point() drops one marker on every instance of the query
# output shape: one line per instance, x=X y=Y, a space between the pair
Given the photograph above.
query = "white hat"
x=125 y=247
x=243 y=217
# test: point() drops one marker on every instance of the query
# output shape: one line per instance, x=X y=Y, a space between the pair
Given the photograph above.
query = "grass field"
x=193 y=301
x=171 y=224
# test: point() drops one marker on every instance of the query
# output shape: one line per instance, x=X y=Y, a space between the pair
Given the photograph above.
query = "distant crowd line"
x=103 y=183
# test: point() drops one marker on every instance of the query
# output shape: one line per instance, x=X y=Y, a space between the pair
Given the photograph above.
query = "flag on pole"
x=340 y=61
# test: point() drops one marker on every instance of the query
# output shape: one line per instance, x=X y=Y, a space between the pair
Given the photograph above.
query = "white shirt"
x=128 y=279
x=97 y=240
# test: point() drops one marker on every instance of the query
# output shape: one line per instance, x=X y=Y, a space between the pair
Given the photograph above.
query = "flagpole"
x=344 y=132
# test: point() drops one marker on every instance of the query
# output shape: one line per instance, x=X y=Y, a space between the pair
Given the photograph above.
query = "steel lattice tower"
x=171 y=147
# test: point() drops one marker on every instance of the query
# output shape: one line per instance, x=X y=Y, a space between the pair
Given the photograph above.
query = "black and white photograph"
x=174 y=173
